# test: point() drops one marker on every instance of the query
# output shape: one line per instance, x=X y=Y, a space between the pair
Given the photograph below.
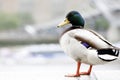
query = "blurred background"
x=28 y=32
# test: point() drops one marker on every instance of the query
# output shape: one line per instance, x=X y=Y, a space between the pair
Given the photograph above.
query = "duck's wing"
x=100 y=36
x=103 y=39
x=92 y=38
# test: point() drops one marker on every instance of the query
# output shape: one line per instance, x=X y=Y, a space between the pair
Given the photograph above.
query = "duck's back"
x=92 y=38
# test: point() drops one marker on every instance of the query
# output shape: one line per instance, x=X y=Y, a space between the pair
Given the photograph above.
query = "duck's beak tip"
x=66 y=21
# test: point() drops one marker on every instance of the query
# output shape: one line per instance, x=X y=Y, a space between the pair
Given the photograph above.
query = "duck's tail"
x=109 y=54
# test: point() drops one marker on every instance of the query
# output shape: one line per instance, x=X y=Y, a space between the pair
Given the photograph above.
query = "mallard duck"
x=85 y=46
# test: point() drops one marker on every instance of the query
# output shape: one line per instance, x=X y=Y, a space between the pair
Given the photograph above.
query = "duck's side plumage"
x=93 y=39
x=71 y=42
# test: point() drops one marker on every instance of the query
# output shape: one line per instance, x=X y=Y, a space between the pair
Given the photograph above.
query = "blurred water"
x=32 y=54
x=35 y=55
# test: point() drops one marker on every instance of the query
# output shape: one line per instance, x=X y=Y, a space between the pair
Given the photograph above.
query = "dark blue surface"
x=85 y=44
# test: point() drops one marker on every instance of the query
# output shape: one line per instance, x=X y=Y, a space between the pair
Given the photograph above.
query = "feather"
x=93 y=39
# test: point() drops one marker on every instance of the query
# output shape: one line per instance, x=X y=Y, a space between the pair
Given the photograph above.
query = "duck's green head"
x=73 y=18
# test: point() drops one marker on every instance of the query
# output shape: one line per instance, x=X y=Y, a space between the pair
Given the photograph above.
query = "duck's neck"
x=71 y=28
x=74 y=27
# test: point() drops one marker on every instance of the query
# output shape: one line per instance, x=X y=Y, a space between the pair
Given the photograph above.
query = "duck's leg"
x=77 y=72
x=87 y=73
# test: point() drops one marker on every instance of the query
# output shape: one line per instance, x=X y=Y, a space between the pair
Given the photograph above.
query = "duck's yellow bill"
x=66 y=21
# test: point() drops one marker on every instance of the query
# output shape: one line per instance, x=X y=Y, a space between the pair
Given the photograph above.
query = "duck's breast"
x=73 y=47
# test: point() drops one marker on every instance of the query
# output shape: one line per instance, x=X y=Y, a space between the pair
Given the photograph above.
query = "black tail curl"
x=114 y=53
x=109 y=51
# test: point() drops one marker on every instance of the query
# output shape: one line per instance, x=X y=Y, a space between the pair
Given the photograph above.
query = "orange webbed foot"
x=73 y=75
x=84 y=73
